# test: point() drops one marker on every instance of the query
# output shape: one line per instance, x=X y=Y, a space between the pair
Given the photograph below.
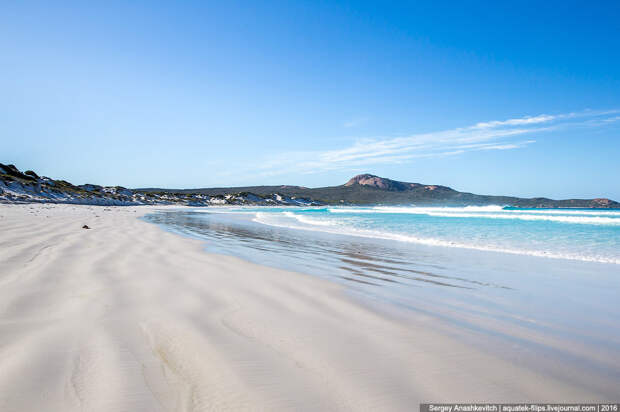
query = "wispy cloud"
x=543 y=118
x=507 y=134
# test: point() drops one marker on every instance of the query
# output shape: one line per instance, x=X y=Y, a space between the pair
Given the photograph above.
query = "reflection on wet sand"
x=360 y=261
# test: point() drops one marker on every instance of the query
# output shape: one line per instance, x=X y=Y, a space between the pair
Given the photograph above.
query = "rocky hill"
x=436 y=194
x=365 y=189
x=389 y=184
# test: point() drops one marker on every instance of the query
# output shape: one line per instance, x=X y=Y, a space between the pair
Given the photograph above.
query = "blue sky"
x=520 y=98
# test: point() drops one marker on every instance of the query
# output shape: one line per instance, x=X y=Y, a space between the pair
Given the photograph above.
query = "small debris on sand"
x=85 y=227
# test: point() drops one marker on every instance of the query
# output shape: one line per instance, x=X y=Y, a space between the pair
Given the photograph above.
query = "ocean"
x=591 y=235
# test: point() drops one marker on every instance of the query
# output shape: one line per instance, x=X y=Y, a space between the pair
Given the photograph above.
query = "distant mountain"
x=374 y=187
x=388 y=184
x=364 y=189
x=367 y=189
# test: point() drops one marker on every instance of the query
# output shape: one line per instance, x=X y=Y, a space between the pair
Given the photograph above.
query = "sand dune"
x=126 y=316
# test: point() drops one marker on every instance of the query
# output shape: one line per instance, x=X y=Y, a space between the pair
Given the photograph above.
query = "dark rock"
x=31 y=173
x=11 y=170
x=85 y=227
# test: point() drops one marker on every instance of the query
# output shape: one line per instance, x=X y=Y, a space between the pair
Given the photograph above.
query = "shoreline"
x=418 y=241
x=129 y=316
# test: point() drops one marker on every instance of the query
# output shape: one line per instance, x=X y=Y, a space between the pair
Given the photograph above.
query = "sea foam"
x=369 y=227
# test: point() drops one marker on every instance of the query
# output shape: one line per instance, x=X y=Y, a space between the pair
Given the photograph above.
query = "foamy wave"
x=497 y=212
x=290 y=222
x=587 y=220
x=349 y=210
x=565 y=212
x=391 y=209
x=415 y=210
x=308 y=220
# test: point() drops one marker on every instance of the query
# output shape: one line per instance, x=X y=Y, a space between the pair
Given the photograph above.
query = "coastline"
x=128 y=316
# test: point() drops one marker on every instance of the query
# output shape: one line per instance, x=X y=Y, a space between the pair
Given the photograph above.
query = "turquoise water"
x=573 y=234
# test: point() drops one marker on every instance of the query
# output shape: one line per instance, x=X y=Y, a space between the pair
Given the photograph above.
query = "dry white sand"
x=128 y=317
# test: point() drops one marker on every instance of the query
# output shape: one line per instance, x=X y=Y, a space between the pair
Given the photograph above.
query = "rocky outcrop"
x=18 y=187
x=12 y=171
x=389 y=184
x=602 y=202
x=380 y=183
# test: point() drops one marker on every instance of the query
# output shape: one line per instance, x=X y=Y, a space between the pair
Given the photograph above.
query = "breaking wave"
x=498 y=212
x=292 y=220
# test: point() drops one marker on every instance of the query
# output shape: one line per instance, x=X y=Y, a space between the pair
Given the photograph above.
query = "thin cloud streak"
x=482 y=136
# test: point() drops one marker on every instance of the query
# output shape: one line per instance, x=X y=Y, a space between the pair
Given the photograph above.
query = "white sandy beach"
x=128 y=317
